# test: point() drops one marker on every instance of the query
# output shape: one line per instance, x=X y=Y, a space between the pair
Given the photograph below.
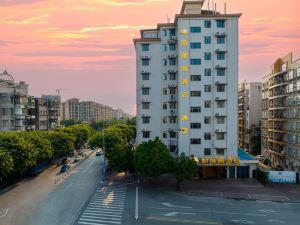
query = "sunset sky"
x=84 y=48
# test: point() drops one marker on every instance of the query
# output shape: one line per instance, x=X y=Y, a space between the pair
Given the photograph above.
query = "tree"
x=61 y=142
x=6 y=164
x=185 y=168
x=152 y=158
x=68 y=123
x=81 y=132
x=120 y=158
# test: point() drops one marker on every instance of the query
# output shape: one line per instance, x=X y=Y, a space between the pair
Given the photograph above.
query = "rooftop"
x=5 y=76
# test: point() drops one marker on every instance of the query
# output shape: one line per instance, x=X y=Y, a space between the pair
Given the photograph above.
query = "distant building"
x=281 y=114
x=88 y=111
x=249 y=117
x=16 y=106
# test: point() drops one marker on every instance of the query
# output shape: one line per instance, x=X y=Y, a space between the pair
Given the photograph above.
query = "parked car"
x=82 y=154
x=98 y=153
x=267 y=162
x=65 y=160
x=260 y=157
x=77 y=158
x=64 y=168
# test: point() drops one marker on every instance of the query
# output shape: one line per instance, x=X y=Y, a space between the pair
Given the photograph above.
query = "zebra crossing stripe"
x=105 y=221
x=100 y=213
x=97 y=217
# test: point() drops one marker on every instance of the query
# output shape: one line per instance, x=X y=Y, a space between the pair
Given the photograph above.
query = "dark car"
x=82 y=154
x=64 y=168
x=65 y=160
x=98 y=153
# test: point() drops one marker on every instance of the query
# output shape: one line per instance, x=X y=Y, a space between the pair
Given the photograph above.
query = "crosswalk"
x=106 y=207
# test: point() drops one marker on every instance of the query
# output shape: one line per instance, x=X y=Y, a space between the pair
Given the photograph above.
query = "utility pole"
x=136 y=216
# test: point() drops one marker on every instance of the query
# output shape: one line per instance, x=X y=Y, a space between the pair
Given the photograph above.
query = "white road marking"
x=276 y=221
x=176 y=213
x=175 y=206
x=243 y=221
x=266 y=210
x=4 y=213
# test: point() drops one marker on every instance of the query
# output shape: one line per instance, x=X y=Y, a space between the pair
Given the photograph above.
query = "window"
x=207 y=40
x=207 y=136
x=146 y=119
x=165 y=77
x=207 y=104
x=172 y=76
x=164 y=47
x=220 y=40
x=221 y=72
x=220 y=23
x=220 y=151
x=207 y=151
x=165 y=91
x=172 y=32
x=164 y=32
x=145 y=91
x=145 y=47
x=220 y=136
x=195 y=141
x=165 y=119
x=195 y=109
x=207 y=88
x=221 y=88
x=172 y=62
x=165 y=106
x=221 y=104
x=207 y=119
x=195 y=61
x=165 y=62
x=146 y=134
x=221 y=56
x=195 y=45
x=221 y=120
x=207 y=55
x=145 y=105
x=173 y=119
x=165 y=135
x=145 y=76
x=195 y=125
x=173 y=105
x=207 y=72
x=172 y=47
x=207 y=23
x=172 y=91
x=195 y=93
x=145 y=62
x=173 y=134
x=195 y=29
x=195 y=77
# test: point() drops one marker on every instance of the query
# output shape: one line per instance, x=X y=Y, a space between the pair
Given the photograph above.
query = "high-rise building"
x=187 y=82
x=249 y=117
x=281 y=114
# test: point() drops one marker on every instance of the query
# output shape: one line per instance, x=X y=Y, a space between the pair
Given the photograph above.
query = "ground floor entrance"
x=222 y=172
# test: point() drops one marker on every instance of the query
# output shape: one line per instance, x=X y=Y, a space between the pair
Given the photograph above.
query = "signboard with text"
x=282 y=177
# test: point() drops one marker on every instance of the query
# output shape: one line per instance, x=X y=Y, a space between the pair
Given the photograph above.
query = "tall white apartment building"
x=187 y=82
x=249 y=118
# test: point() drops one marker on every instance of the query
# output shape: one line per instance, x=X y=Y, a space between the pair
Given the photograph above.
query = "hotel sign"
x=214 y=161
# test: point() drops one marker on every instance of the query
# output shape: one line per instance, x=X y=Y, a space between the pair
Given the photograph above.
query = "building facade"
x=88 y=111
x=187 y=83
x=281 y=114
x=249 y=117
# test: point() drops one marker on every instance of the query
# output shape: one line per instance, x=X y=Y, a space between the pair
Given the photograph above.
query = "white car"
x=259 y=157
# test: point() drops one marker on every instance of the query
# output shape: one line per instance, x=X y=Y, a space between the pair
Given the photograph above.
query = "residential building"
x=187 y=86
x=249 y=117
x=281 y=114
x=16 y=106
x=88 y=111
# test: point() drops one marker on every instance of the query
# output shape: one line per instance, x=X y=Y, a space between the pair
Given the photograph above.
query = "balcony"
x=172 y=40
x=220 y=34
x=172 y=71
x=172 y=56
x=145 y=57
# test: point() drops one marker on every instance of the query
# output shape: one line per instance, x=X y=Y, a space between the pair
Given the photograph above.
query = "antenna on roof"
x=168 y=19
x=213 y=5
x=225 y=8
x=215 y=8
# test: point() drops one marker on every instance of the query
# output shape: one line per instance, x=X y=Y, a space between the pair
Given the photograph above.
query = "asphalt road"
x=159 y=207
x=42 y=201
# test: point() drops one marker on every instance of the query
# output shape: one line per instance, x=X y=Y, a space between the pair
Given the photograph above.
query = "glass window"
x=165 y=91
x=145 y=76
x=145 y=47
x=146 y=134
x=145 y=62
x=172 y=62
x=164 y=32
x=146 y=119
x=220 y=72
x=207 y=72
x=172 y=91
x=221 y=88
x=220 y=40
x=207 y=151
x=195 y=61
x=165 y=135
x=221 y=104
x=220 y=23
x=145 y=91
x=207 y=104
x=195 y=77
x=195 y=29
x=195 y=125
x=172 y=76
x=172 y=32
x=165 y=106
x=207 y=23
x=164 y=47
x=146 y=105
x=221 y=56
x=207 y=88
x=195 y=93
x=165 y=119
x=207 y=120
x=173 y=119
x=220 y=136
x=221 y=120
x=195 y=109
x=207 y=136
x=207 y=55
x=207 y=40
x=173 y=134
x=172 y=47
x=165 y=62
x=220 y=151
x=195 y=141
x=195 y=45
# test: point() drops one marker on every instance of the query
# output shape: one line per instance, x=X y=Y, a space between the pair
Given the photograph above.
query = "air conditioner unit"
x=144 y=71
x=217 y=98
x=217 y=114
x=217 y=82
x=217 y=130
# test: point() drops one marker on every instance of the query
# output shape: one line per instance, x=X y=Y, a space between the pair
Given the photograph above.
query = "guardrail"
x=61 y=177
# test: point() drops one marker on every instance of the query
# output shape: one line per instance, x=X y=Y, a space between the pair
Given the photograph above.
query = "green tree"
x=68 y=123
x=152 y=159
x=82 y=133
x=185 y=168
x=6 y=164
x=61 y=142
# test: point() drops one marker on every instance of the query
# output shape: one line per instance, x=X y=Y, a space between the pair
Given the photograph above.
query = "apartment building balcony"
x=172 y=71
x=172 y=56
x=220 y=34
x=173 y=98
x=278 y=141
x=172 y=40
x=274 y=152
x=220 y=113
x=145 y=72
x=145 y=57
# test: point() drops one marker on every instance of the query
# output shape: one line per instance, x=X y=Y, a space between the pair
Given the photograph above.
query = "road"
x=42 y=201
